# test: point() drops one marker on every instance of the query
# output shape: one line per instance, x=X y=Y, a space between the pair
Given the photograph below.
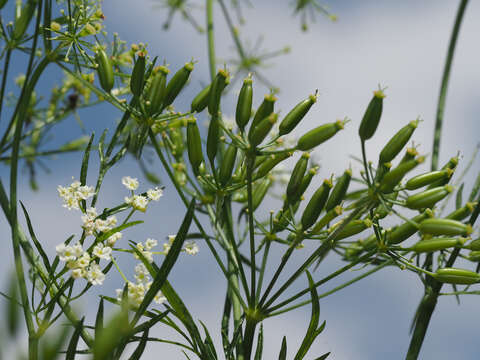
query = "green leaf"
x=109 y=233
x=39 y=247
x=112 y=335
x=283 y=350
x=209 y=343
x=72 y=345
x=323 y=357
x=141 y=346
x=99 y=318
x=86 y=156
x=150 y=323
x=259 y=350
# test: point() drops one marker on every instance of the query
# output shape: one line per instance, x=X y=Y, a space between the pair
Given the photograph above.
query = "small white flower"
x=77 y=250
x=150 y=243
x=160 y=298
x=140 y=202
x=84 y=261
x=95 y=275
x=130 y=183
x=167 y=246
x=78 y=273
x=102 y=252
x=65 y=253
x=114 y=238
x=102 y=225
x=128 y=199
x=155 y=194
x=191 y=248
x=147 y=254
x=141 y=273
x=84 y=192
x=74 y=193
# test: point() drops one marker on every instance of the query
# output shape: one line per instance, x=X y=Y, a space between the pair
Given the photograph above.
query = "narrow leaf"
x=259 y=351
x=72 y=345
x=99 y=318
x=141 y=346
x=459 y=197
x=283 y=350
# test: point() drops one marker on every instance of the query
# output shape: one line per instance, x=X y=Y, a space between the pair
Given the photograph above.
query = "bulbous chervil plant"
x=222 y=175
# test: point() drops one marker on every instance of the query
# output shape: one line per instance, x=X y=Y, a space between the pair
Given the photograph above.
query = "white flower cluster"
x=190 y=247
x=82 y=264
x=145 y=249
x=140 y=202
x=74 y=193
x=94 y=226
x=138 y=289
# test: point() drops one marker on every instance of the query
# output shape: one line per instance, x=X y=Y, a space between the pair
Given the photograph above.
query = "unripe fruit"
x=137 y=80
x=260 y=132
x=428 y=198
x=244 y=104
x=176 y=83
x=296 y=177
x=291 y=120
x=372 y=116
x=194 y=145
x=339 y=190
x=445 y=227
x=316 y=204
x=263 y=111
x=397 y=142
x=319 y=135
x=104 y=70
x=456 y=276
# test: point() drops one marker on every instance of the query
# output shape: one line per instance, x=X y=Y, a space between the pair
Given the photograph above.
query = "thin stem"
x=4 y=78
x=442 y=97
x=211 y=40
x=250 y=164
x=233 y=30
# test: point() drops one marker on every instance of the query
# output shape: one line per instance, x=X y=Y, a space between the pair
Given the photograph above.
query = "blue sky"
x=401 y=45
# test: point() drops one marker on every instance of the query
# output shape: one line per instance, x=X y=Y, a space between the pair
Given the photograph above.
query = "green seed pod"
x=241 y=196
x=283 y=217
x=315 y=205
x=22 y=22
x=463 y=212
x=339 y=190
x=435 y=244
x=474 y=245
x=328 y=217
x=307 y=179
x=260 y=191
x=176 y=136
x=270 y=163
x=200 y=101
x=176 y=83
x=228 y=163
x=425 y=179
x=137 y=80
x=397 y=142
x=407 y=229
x=445 y=227
x=394 y=176
x=104 y=70
x=382 y=170
x=474 y=256
x=372 y=115
x=428 y=198
x=451 y=164
x=296 y=115
x=157 y=89
x=263 y=111
x=382 y=211
x=218 y=85
x=213 y=138
x=194 y=145
x=352 y=228
x=260 y=132
x=297 y=177
x=456 y=276
x=410 y=154
x=319 y=135
x=244 y=104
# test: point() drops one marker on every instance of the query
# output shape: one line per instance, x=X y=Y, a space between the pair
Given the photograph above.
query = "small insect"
x=72 y=101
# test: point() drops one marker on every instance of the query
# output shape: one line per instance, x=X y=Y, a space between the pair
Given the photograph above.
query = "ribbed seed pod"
x=425 y=179
x=137 y=80
x=474 y=245
x=157 y=89
x=456 y=276
x=474 y=256
x=307 y=179
x=315 y=205
x=319 y=135
x=200 y=102
x=428 y=198
x=179 y=143
x=410 y=154
x=463 y=212
x=216 y=90
x=404 y=231
x=104 y=70
x=194 y=145
x=21 y=23
x=394 y=176
x=339 y=190
x=291 y=120
x=228 y=163
x=297 y=177
x=372 y=116
x=352 y=228
x=260 y=132
x=244 y=104
x=176 y=83
x=451 y=164
x=260 y=191
x=382 y=170
x=263 y=111
x=397 y=142
x=270 y=163
x=438 y=243
x=328 y=217
x=447 y=227
x=213 y=138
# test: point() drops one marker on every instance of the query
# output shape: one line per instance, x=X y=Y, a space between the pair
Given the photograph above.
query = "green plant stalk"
x=195 y=219
x=4 y=78
x=248 y=337
x=334 y=290
x=322 y=281
x=211 y=40
x=262 y=269
x=251 y=230
x=444 y=86
x=429 y=301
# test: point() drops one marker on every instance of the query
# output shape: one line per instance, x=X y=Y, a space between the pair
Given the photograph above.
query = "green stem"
x=251 y=230
x=444 y=86
x=4 y=78
x=233 y=30
x=248 y=337
x=211 y=40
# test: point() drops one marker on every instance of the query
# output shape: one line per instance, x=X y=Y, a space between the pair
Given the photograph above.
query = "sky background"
x=401 y=45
